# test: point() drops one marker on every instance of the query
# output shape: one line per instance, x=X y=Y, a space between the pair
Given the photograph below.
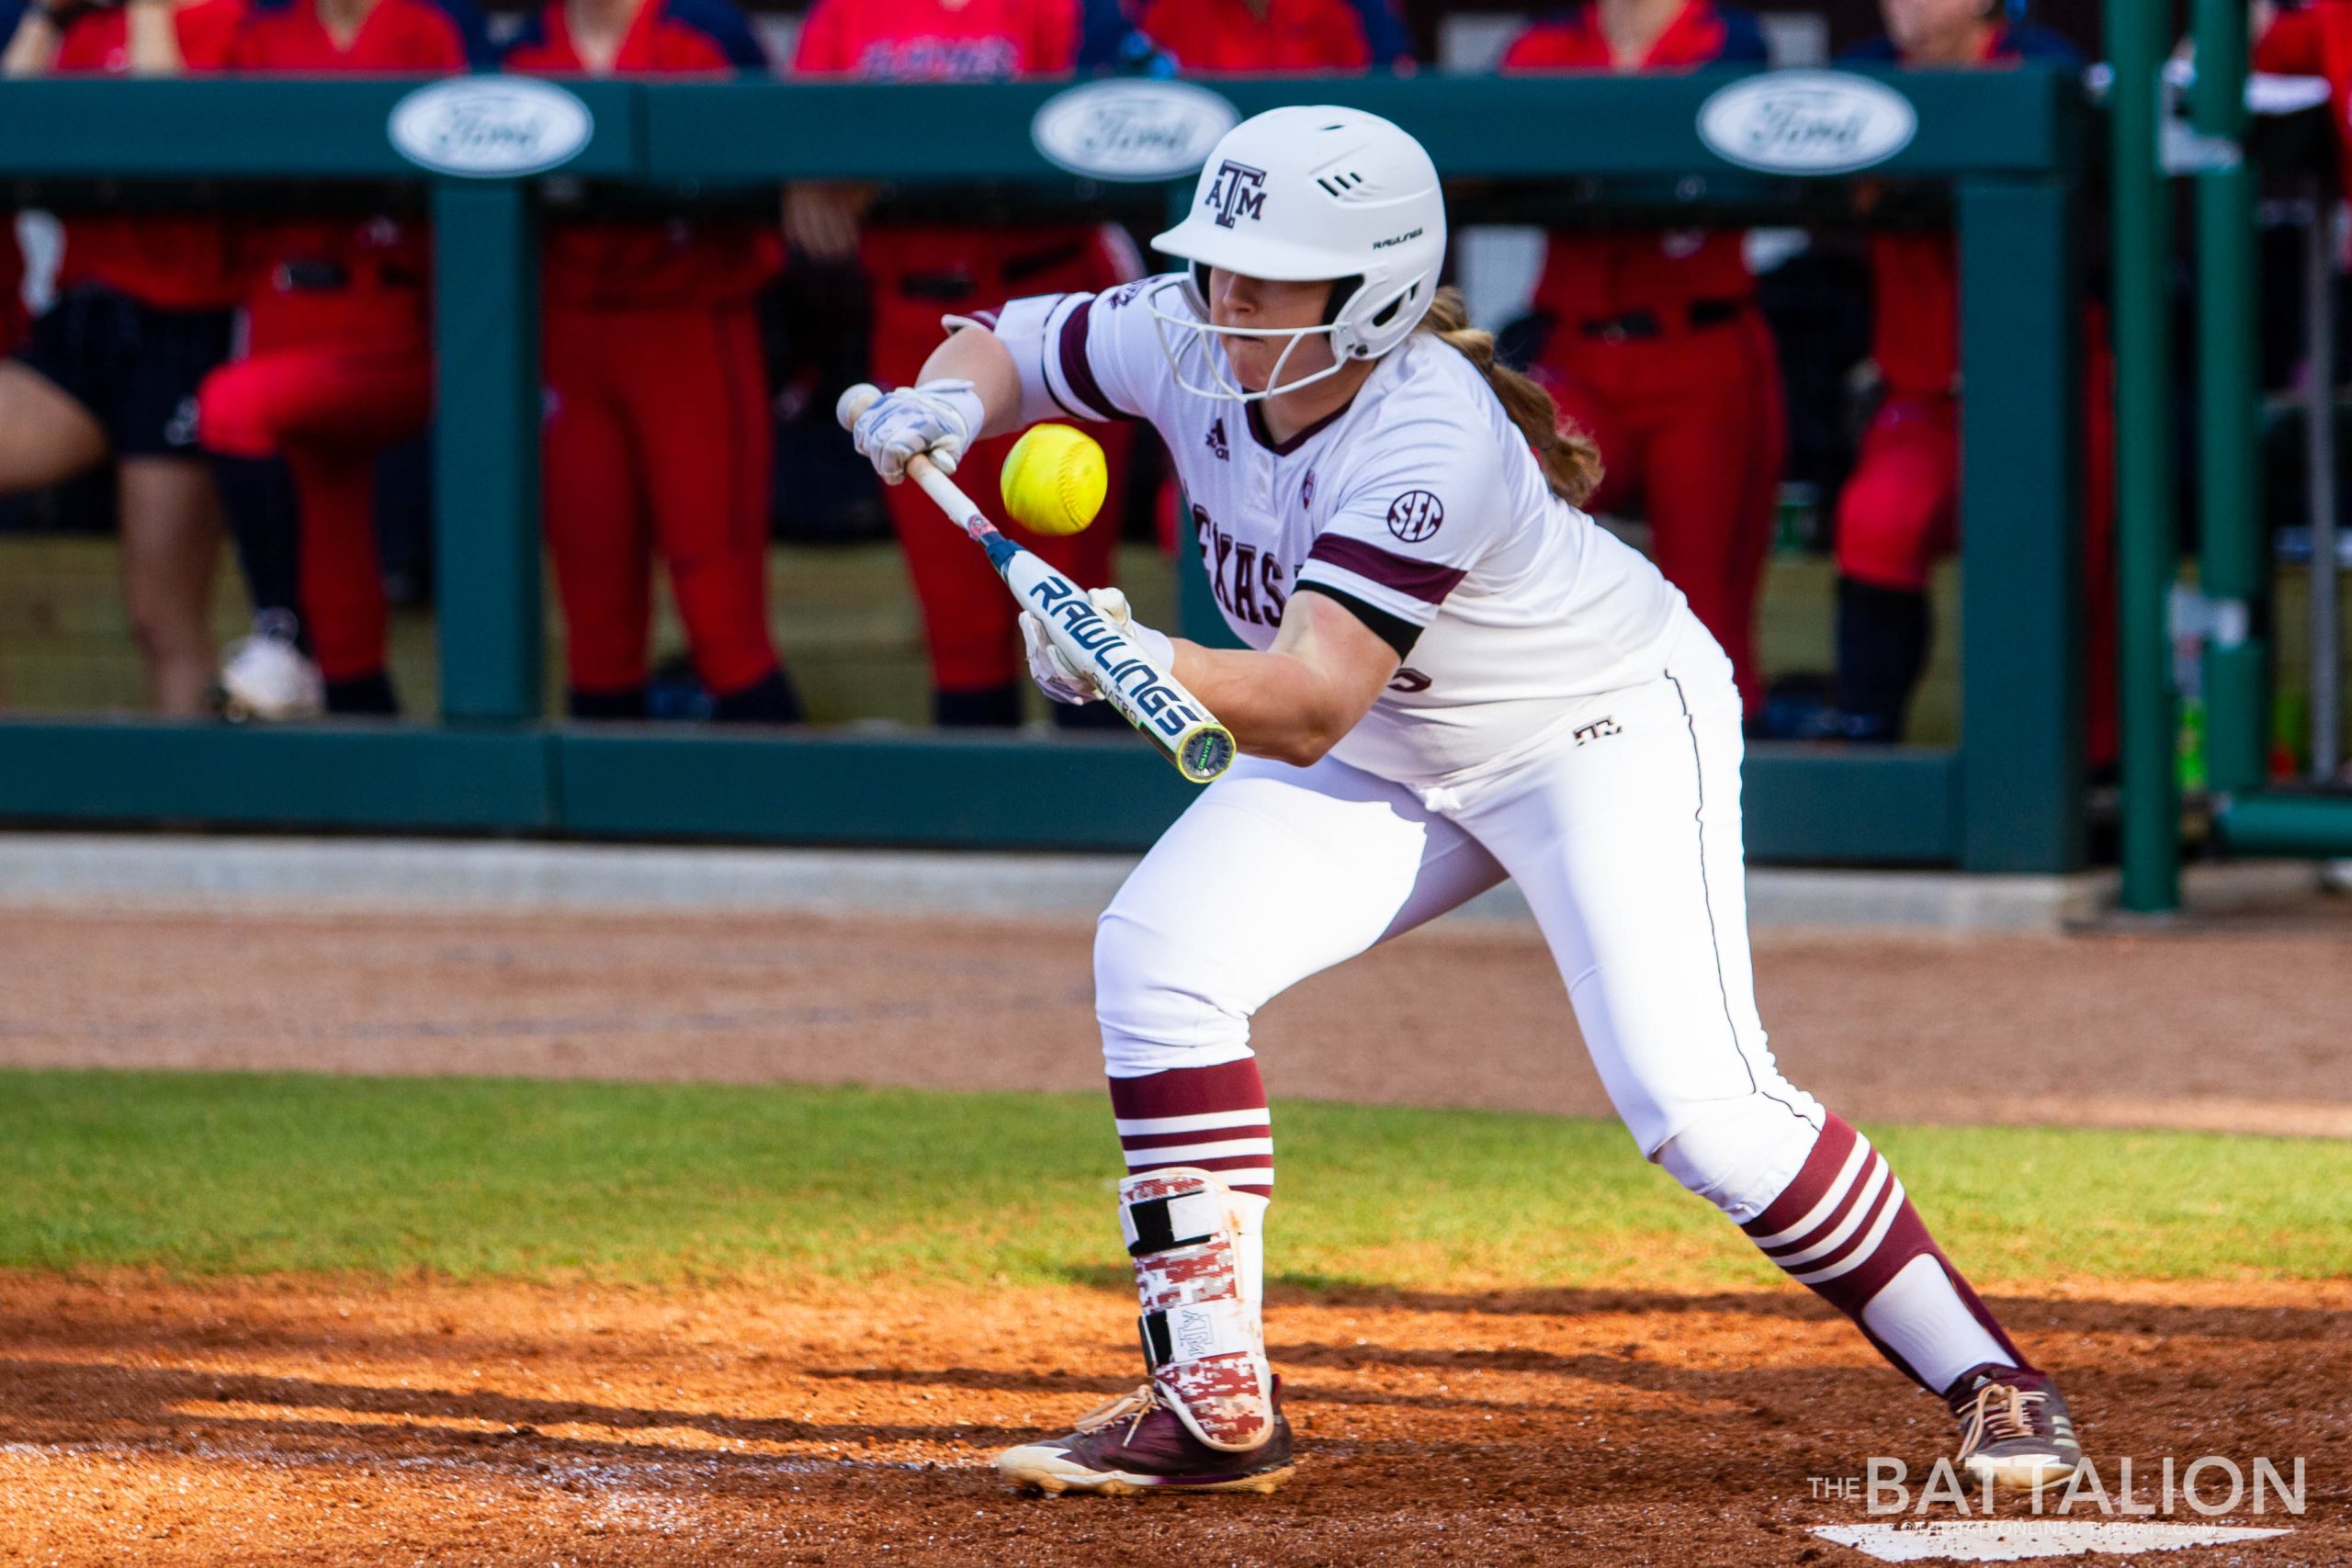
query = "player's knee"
x=1740 y=1154
x=1156 y=1011
x=1886 y=535
x=229 y=417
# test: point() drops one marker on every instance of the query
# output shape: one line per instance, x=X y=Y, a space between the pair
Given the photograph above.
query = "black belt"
x=962 y=284
x=304 y=275
x=1645 y=324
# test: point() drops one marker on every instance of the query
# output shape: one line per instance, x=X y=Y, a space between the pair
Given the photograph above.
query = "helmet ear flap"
x=1341 y=293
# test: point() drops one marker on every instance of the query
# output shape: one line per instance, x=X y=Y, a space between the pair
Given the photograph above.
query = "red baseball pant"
x=657 y=441
x=329 y=410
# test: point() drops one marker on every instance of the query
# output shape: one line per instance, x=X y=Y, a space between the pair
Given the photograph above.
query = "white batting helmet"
x=1297 y=196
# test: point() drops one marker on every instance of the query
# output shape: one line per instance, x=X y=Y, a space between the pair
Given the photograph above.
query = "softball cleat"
x=267 y=678
x=2014 y=1427
x=1138 y=1443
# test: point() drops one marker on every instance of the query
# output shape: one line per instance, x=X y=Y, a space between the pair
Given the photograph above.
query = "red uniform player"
x=109 y=373
x=921 y=272
x=2312 y=39
x=1656 y=347
x=1899 y=512
x=339 y=362
x=1262 y=36
x=658 y=432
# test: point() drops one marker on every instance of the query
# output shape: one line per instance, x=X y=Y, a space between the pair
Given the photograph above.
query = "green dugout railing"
x=2248 y=814
x=2008 y=798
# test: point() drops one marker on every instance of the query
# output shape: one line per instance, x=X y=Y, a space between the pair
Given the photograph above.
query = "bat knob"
x=855 y=402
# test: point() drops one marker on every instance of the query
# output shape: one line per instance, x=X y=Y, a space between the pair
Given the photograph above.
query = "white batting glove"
x=1062 y=681
x=936 y=420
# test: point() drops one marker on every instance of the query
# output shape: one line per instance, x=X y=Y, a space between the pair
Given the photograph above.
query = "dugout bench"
x=2009 y=797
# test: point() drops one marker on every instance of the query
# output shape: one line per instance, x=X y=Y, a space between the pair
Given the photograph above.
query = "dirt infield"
x=297 y=1423
x=306 y=1422
x=2229 y=1025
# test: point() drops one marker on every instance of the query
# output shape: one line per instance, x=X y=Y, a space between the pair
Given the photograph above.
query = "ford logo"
x=490 y=126
x=1132 y=130
x=1807 y=122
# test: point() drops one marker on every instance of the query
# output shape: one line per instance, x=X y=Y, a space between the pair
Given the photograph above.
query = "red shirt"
x=376 y=254
x=1589 y=278
x=172 y=262
x=2316 y=41
x=937 y=40
x=1227 y=35
x=1915 y=279
x=680 y=262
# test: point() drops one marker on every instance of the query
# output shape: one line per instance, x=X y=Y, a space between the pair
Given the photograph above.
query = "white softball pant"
x=1623 y=835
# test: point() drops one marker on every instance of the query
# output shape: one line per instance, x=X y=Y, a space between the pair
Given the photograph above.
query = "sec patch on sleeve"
x=1416 y=515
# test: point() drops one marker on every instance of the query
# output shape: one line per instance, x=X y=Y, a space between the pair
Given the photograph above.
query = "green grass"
x=215 y=1173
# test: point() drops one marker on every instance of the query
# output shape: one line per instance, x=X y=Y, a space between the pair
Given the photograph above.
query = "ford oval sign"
x=1807 y=122
x=490 y=126
x=1131 y=130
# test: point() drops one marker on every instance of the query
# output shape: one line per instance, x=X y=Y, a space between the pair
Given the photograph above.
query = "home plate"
x=2014 y=1541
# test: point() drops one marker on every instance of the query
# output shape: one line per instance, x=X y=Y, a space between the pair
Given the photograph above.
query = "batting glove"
x=936 y=420
x=1062 y=681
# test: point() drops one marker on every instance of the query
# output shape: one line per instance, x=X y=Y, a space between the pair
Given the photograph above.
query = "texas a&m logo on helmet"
x=1240 y=192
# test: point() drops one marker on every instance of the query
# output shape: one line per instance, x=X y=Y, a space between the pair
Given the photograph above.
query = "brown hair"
x=1571 y=459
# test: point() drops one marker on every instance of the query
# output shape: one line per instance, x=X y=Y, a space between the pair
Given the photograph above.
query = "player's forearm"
x=978 y=358
x=34 y=47
x=155 y=38
x=1275 y=704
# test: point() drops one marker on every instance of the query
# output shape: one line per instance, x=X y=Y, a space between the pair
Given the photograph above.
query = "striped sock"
x=1209 y=1117
x=1844 y=1229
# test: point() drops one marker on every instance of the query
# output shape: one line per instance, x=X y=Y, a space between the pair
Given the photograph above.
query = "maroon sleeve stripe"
x=1425 y=581
x=1077 y=370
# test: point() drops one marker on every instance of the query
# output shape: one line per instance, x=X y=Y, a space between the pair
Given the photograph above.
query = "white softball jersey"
x=1420 y=501
x=1561 y=719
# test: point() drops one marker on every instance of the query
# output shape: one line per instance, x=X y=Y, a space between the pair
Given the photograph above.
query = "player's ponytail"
x=1571 y=459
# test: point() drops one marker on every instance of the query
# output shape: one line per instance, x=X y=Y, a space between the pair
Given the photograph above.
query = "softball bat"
x=1162 y=711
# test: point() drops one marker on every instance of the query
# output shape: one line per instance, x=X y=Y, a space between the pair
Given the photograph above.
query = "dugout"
x=2008 y=147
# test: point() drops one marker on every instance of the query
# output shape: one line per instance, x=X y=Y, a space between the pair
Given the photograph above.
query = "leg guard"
x=1202 y=1336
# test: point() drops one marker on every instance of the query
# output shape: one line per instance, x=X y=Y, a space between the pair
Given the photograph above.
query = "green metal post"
x=2231 y=567
x=486 y=450
x=2135 y=43
x=2021 y=659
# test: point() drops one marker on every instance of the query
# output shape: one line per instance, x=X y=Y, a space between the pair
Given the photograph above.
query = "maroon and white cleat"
x=1138 y=1443
x=2015 y=1428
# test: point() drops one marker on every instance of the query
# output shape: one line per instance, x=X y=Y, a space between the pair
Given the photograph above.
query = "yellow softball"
x=1055 y=480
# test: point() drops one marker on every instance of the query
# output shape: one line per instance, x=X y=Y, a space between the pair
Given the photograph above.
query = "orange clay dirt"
x=149 y=1421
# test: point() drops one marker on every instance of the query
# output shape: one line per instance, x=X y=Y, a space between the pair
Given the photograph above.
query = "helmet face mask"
x=1304 y=195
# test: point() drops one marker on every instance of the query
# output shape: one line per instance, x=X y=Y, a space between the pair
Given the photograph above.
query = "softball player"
x=338 y=363
x=657 y=432
x=109 y=373
x=1899 y=512
x=1452 y=676
x=922 y=271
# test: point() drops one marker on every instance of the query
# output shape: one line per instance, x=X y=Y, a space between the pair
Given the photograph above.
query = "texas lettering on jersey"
x=1248 y=582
